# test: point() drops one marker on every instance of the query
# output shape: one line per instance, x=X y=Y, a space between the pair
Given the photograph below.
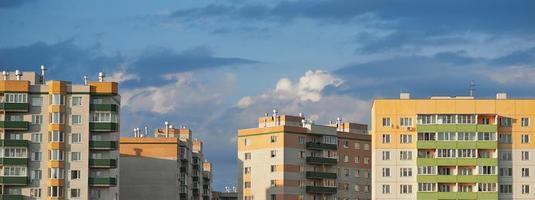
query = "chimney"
x=404 y=95
x=166 y=129
x=6 y=75
x=501 y=95
x=43 y=69
x=101 y=76
x=18 y=74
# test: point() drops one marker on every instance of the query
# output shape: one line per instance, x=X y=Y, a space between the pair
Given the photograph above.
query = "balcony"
x=321 y=146
x=487 y=144
x=426 y=144
x=102 y=163
x=321 y=189
x=13 y=143
x=14 y=107
x=103 y=107
x=102 y=182
x=11 y=197
x=320 y=175
x=15 y=125
x=13 y=161
x=103 y=126
x=321 y=161
x=13 y=180
x=102 y=145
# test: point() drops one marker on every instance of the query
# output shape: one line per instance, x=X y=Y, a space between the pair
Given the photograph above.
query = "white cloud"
x=513 y=75
x=122 y=76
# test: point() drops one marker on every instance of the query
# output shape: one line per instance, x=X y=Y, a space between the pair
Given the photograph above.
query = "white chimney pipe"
x=101 y=76
x=166 y=129
x=6 y=75
x=18 y=74
x=43 y=69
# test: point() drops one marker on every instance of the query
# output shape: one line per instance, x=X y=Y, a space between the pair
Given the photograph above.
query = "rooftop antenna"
x=471 y=87
x=101 y=76
x=85 y=80
x=146 y=130
x=43 y=69
x=6 y=75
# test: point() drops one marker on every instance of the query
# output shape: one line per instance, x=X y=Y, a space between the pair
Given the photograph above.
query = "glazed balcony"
x=102 y=145
x=15 y=125
x=321 y=189
x=14 y=107
x=102 y=163
x=103 y=126
x=320 y=175
x=104 y=107
x=321 y=161
x=102 y=182
x=321 y=146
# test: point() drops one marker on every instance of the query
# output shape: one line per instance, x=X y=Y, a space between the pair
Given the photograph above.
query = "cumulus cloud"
x=513 y=75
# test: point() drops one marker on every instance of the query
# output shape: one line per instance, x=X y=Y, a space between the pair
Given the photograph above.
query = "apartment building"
x=453 y=148
x=170 y=165
x=58 y=140
x=289 y=157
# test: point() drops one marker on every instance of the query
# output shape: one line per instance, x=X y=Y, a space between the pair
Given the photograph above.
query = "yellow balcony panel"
x=103 y=88
x=56 y=164
x=57 y=87
x=14 y=86
x=56 y=182
x=56 y=108
x=56 y=127
x=56 y=145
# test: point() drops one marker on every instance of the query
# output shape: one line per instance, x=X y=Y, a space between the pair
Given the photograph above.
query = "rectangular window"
x=37 y=101
x=405 y=139
x=357 y=145
x=35 y=192
x=75 y=193
x=426 y=119
x=386 y=189
x=55 y=191
x=506 y=121
x=16 y=97
x=75 y=174
x=55 y=173
x=486 y=136
x=524 y=138
x=14 y=171
x=55 y=154
x=36 y=175
x=301 y=140
x=506 y=171
x=56 y=136
x=525 y=189
x=427 y=187
x=247 y=141
x=366 y=147
x=446 y=119
x=487 y=170
x=405 y=189
x=466 y=136
x=246 y=170
x=405 y=155
x=37 y=137
x=466 y=119
x=525 y=122
x=57 y=99
x=446 y=136
x=76 y=119
x=247 y=184
x=405 y=122
x=386 y=172
x=525 y=172
x=15 y=152
x=386 y=138
x=76 y=156
x=505 y=155
x=76 y=101
x=37 y=119
x=247 y=156
x=525 y=155
x=273 y=153
x=467 y=153
x=76 y=138
x=346 y=144
x=386 y=121
x=104 y=117
x=506 y=189
x=366 y=160
x=57 y=118
x=273 y=139
x=425 y=136
x=36 y=156
x=405 y=172
x=386 y=155
x=505 y=138
x=273 y=168
x=427 y=170
x=357 y=159
x=465 y=171
x=446 y=153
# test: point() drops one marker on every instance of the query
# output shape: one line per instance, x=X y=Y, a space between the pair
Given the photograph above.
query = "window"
x=466 y=153
x=76 y=156
x=357 y=159
x=97 y=101
x=55 y=154
x=55 y=191
x=525 y=155
x=506 y=171
x=506 y=121
x=386 y=121
x=386 y=155
x=56 y=136
x=487 y=170
x=16 y=97
x=346 y=158
x=104 y=117
x=426 y=119
x=346 y=144
x=525 y=172
x=273 y=139
x=76 y=138
x=505 y=138
x=524 y=139
x=301 y=140
x=446 y=119
x=36 y=156
x=505 y=155
x=36 y=175
x=424 y=136
x=75 y=193
x=465 y=188
x=330 y=140
x=357 y=145
x=445 y=153
x=14 y=171
x=14 y=152
x=386 y=138
x=525 y=189
x=366 y=160
x=247 y=141
x=55 y=173
x=466 y=119
x=273 y=168
x=525 y=122
x=57 y=99
x=273 y=153
x=405 y=172
x=386 y=172
x=35 y=192
x=246 y=170
x=427 y=170
x=405 y=189
x=37 y=119
x=486 y=136
x=446 y=136
x=405 y=155
x=37 y=137
x=506 y=189
x=247 y=184
x=386 y=189
x=247 y=156
x=76 y=119
x=466 y=136
x=427 y=187
x=405 y=122
x=37 y=101
x=75 y=174
x=366 y=147
x=57 y=118
x=301 y=154
x=76 y=101
x=405 y=139
x=485 y=120
x=465 y=171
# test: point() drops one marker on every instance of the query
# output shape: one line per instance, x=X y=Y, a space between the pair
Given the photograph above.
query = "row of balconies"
x=457 y=178
x=458 y=195
x=23 y=180
x=457 y=128
x=456 y=144
x=24 y=107
x=321 y=161
x=93 y=126
x=456 y=161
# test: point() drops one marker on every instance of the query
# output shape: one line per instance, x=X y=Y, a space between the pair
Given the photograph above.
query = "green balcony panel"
x=487 y=128
x=466 y=145
x=14 y=107
x=446 y=178
x=320 y=175
x=426 y=161
x=426 y=128
x=104 y=107
x=466 y=128
x=446 y=161
x=321 y=189
x=13 y=180
x=466 y=161
x=14 y=143
x=13 y=161
x=447 y=195
x=103 y=145
x=467 y=195
x=426 y=144
x=487 y=195
x=102 y=163
x=103 y=126
x=321 y=146
x=11 y=197
x=447 y=128
x=321 y=161
x=467 y=179
x=487 y=178
x=487 y=161
x=446 y=145
x=102 y=182
x=487 y=144
x=426 y=195
x=426 y=178
x=14 y=125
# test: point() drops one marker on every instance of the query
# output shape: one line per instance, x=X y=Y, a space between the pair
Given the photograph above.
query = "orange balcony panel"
x=56 y=108
x=14 y=86
x=55 y=182
x=56 y=127
x=56 y=145
x=57 y=87
x=110 y=88
x=55 y=164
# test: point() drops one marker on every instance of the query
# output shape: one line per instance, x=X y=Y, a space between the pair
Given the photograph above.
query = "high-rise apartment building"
x=453 y=148
x=170 y=165
x=288 y=157
x=58 y=140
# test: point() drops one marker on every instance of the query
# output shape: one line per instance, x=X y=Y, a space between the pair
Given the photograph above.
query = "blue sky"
x=217 y=65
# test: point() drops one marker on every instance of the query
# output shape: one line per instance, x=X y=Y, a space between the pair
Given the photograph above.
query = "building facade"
x=287 y=157
x=170 y=165
x=58 y=139
x=453 y=148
